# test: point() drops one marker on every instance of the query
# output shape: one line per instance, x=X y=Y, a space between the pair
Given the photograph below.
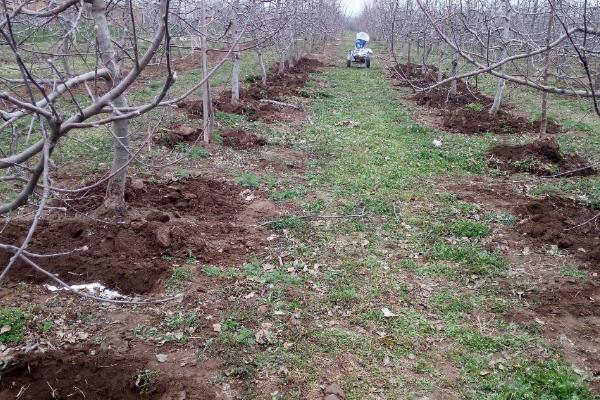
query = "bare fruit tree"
x=74 y=70
x=548 y=46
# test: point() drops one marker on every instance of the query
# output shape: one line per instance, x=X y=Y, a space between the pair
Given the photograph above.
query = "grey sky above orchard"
x=353 y=7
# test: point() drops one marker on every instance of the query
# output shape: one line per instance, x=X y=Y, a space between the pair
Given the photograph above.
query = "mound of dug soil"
x=65 y=375
x=175 y=134
x=279 y=87
x=564 y=223
x=208 y=218
x=466 y=96
x=415 y=74
x=568 y=297
x=552 y=128
x=474 y=122
x=243 y=140
x=542 y=157
x=122 y=257
x=467 y=110
x=569 y=309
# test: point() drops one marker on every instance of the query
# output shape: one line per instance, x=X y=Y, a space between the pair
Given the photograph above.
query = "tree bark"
x=454 y=84
x=115 y=191
x=501 y=83
x=546 y=77
x=263 y=68
x=235 y=70
x=597 y=79
x=207 y=109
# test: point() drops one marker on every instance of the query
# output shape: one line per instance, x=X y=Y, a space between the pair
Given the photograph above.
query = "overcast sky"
x=353 y=7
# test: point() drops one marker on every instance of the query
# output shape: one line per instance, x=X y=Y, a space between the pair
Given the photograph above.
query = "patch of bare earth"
x=565 y=309
x=467 y=110
x=542 y=157
x=265 y=103
x=213 y=220
x=83 y=372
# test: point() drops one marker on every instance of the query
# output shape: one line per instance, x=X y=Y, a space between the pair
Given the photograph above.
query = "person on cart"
x=361 y=54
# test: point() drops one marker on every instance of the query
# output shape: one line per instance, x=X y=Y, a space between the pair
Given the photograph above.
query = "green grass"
x=248 y=180
x=177 y=279
x=550 y=380
x=468 y=229
x=12 y=325
x=478 y=260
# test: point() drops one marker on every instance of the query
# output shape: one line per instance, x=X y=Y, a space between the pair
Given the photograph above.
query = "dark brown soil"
x=62 y=375
x=467 y=110
x=204 y=218
x=279 y=87
x=552 y=128
x=121 y=257
x=542 y=157
x=473 y=122
x=552 y=220
x=466 y=95
x=410 y=74
x=242 y=140
x=566 y=297
x=546 y=221
x=565 y=309
x=175 y=134
x=570 y=313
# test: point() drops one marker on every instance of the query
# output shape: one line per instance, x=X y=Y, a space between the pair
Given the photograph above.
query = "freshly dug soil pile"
x=414 y=74
x=279 y=87
x=465 y=96
x=474 y=122
x=173 y=135
x=195 y=195
x=242 y=140
x=193 y=108
x=208 y=218
x=467 y=111
x=122 y=257
x=569 y=309
x=542 y=157
x=566 y=297
x=551 y=129
x=552 y=220
x=73 y=374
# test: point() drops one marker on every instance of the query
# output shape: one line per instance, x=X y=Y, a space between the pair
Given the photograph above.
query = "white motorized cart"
x=361 y=54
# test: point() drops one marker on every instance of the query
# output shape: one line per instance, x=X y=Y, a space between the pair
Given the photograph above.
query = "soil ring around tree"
x=212 y=221
x=97 y=374
x=563 y=308
x=541 y=157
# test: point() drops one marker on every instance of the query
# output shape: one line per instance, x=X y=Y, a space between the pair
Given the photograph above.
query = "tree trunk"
x=65 y=51
x=530 y=66
x=545 y=79
x=597 y=79
x=263 y=68
x=235 y=70
x=454 y=85
x=115 y=192
x=426 y=52
x=281 y=63
x=501 y=83
x=207 y=109
x=408 y=57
